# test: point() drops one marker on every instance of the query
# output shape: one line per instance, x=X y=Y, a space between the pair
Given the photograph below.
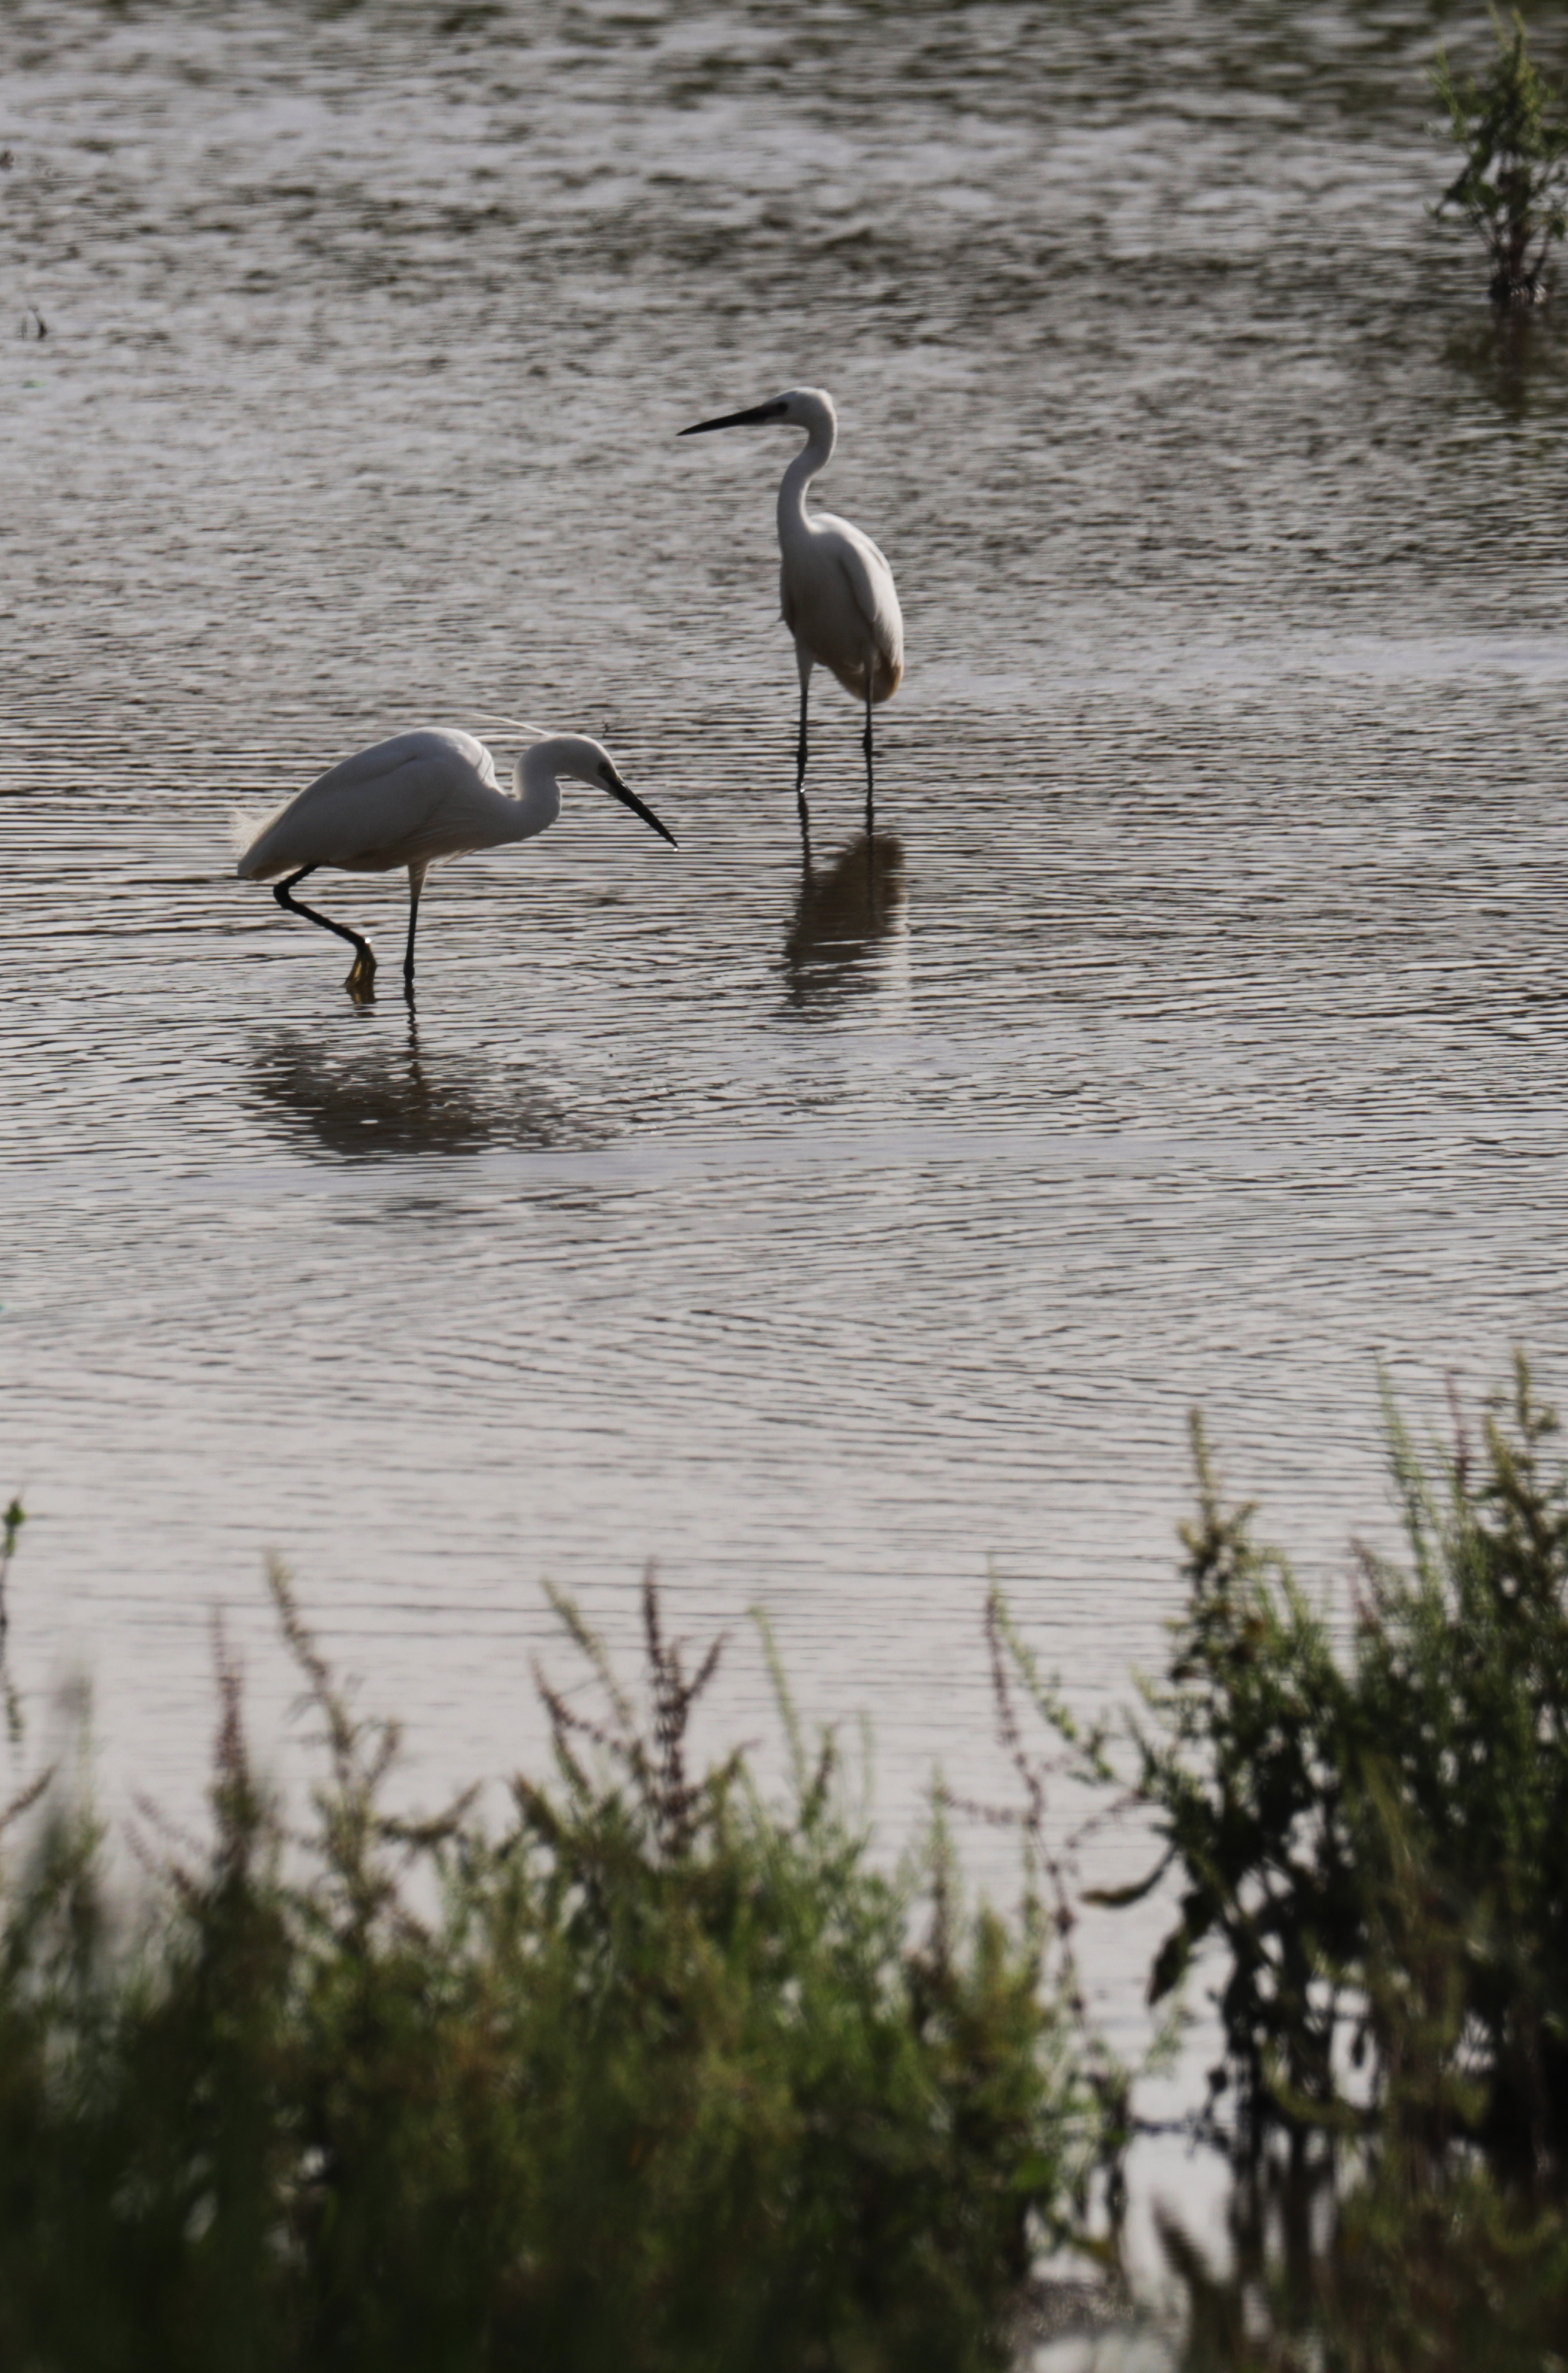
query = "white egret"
x=416 y=801
x=835 y=588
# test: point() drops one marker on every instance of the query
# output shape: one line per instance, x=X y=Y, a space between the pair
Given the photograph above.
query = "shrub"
x=1365 y=1824
x=656 y=2077
x=1451 y=2276
x=1333 y=1811
x=1512 y=184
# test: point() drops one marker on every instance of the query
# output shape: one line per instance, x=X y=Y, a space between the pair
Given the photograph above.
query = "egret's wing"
x=871 y=588
x=376 y=809
x=429 y=742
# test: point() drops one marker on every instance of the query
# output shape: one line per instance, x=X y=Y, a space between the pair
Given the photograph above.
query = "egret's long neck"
x=813 y=455
x=536 y=793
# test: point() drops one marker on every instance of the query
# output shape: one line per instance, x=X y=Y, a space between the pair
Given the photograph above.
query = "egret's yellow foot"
x=361 y=981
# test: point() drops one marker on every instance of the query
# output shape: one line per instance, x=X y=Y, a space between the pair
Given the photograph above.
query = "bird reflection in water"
x=843 y=912
x=385 y=1100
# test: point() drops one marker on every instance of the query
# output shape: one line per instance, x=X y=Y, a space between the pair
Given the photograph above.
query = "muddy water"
x=1206 y=1039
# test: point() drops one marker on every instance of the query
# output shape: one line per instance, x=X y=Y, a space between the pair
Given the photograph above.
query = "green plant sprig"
x=1513 y=185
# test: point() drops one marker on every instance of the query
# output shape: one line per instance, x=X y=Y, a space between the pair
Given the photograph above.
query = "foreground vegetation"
x=659 y=2076
x=1365 y=1829
x=662 y=2074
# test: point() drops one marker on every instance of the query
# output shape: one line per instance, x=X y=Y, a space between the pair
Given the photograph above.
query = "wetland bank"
x=1210 y=1049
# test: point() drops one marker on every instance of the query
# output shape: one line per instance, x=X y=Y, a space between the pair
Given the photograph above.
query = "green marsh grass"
x=656 y=2074
x=662 y=2071
x=1363 y=1826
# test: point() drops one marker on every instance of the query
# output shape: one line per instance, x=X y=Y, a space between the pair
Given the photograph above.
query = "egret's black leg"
x=866 y=745
x=363 y=969
x=805 y=814
x=416 y=883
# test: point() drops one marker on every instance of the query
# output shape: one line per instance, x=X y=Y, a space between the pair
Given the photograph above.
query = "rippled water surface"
x=1206 y=1039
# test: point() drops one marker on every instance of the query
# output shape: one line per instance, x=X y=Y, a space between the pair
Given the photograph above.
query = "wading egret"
x=415 y=800
x=836 y=590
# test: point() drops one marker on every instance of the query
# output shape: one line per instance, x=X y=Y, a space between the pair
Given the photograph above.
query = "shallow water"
x=1206 y=1040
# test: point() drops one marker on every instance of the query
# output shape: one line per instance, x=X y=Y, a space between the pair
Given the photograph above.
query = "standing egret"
x=835 y=588
x=415 y=800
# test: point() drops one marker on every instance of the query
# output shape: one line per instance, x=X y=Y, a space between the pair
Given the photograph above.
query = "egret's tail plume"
x=248 y=828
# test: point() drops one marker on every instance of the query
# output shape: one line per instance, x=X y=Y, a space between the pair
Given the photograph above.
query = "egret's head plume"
x=514 y=725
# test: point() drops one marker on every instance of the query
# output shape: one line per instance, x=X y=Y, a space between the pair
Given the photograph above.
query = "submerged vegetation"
x=11 y=1523
x=1512 y=186
x=659 y=2073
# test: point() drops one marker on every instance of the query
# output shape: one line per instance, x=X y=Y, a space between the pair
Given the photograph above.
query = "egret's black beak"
x=628 y=798
x=754 y=418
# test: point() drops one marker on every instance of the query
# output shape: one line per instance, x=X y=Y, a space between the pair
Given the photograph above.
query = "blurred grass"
x=654 y=2076
x=1365 y=1829
x=661 y=2073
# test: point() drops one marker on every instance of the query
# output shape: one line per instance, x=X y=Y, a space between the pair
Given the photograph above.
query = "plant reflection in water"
x=1515 y=359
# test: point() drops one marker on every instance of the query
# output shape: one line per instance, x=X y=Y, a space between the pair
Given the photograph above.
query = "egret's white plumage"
x=418 y=799
x=835 y=588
